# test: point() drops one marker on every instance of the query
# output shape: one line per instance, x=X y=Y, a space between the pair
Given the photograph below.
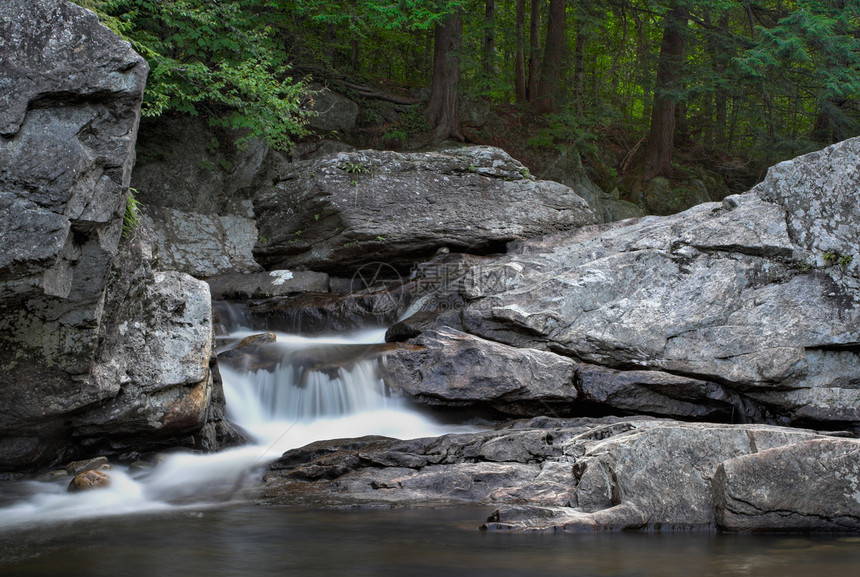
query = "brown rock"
x=89 y=480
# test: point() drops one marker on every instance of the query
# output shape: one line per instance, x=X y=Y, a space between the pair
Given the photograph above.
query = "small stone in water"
x=76 y=467
x=259 y=339
x=89 y=480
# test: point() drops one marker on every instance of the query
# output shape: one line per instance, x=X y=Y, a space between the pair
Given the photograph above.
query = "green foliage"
x=761 y=80
x=220 y=59
x=409 y=123
x=568 y=130
x=355 y=168
x=834 y=258
x=131 y=217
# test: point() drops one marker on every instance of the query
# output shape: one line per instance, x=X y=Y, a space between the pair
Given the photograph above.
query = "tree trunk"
x=520 y=60
x=661 y=137
x=553 y=53
x=488 y=46
x=534 y=49
x=721 y=63
x=579 y=72
x=442 y=110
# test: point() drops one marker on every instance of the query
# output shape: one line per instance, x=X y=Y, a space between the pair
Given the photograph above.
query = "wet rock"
x=809 y=486
x=77 y=467
x=348 y=209
x=276 y=283
x=314 y=313
x=551 y=474
x=446 y=367
x=89 y=480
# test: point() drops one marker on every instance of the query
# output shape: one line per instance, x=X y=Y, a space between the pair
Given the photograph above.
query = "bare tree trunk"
x=442 y=111
x=661 y=137
x=534 y=49
x=720 y=96
x=579 y=72
x=520 y=61
x=488 y=48
x=553 y=53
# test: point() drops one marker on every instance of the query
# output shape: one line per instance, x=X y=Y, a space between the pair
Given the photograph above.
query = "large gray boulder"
x=732 y=295
x=336 y=213
x=70 y=94
x=783 y=488
x=590 y=474
x=98 y=353
x=819 y=193
x=450 y=368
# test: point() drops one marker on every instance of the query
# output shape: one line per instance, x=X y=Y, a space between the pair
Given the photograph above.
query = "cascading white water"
x=307 y=395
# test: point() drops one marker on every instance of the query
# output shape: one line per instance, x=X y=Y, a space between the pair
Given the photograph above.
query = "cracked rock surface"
x=592 y=474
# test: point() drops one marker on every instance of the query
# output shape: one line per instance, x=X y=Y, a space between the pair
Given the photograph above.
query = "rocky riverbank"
x=699 y=370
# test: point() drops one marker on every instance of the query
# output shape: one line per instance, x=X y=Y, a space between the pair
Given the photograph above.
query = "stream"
x=186 y=515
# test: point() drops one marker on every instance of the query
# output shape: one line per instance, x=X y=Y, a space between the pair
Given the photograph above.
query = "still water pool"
x=250 y=541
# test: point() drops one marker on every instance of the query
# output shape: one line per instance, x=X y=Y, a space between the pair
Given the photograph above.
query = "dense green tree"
x=214 y=58
x=757 y=79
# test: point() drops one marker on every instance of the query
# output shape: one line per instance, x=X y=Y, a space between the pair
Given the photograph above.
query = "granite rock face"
x=99 y=353
x=720 y=294
x=589 y=474
x=339 y=212
x=783 y=488
x=818 y=192
x=67 y=138
x=203 y=245
x=192 y=182
x=454 y=369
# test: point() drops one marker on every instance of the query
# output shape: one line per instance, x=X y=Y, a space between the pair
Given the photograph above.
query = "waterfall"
x=306 y=389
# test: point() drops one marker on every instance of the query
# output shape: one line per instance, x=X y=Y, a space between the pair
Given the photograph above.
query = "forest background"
x=634 y=89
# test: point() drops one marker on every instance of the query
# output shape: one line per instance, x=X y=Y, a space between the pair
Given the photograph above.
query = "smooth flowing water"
x=289 y=393
x=184 y=517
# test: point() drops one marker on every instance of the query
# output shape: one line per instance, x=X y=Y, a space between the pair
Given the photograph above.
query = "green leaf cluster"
x=218 y=58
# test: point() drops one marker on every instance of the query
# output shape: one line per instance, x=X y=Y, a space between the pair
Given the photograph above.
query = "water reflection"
x=253 y=541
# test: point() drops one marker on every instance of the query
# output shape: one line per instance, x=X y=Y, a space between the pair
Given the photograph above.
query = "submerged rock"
x=590 y=474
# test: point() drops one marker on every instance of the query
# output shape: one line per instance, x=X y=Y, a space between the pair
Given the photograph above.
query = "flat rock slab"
x=587 y=474
x=276 y=283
